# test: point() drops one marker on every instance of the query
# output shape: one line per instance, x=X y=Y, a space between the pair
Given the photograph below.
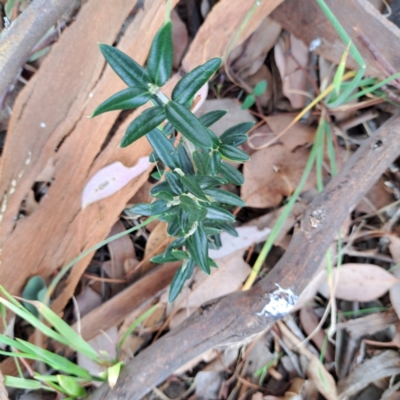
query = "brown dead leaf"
x=248 y=58
x=360 y=282
x=234 y=116
x=291 y=55
x=309 y=322
x=395 y=297
x=394 y=247
x=272 y=174
x=180 y=38
x=121 y=250
x=316 y=371
x=156 y=243
x=381 y=366
x=230 y=275
x=378 y=197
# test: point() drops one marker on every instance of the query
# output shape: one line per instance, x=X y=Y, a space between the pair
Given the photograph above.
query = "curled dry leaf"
x=250 y=55
x=316 y=371
x=111 y=179
x=291 y=55
x=272 y=174
x=394 y=247
x=381 y=366
x=359 y=282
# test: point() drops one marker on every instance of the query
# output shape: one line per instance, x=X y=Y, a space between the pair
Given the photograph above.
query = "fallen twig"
x=235 y=317
x=25 y=32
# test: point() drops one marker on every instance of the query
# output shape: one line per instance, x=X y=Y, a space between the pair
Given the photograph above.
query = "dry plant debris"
x=66 y=185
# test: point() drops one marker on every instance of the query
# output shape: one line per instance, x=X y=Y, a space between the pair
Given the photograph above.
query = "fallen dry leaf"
x=247 y=235
x=180 y=38
x=247 y=58
x=234 y=116
x=395 y=297
x=381 y=366
x=316 y=371
x=111 y=179
x=272 y=174
x=156 y=243
x=229 y=276
x=291 y=55
x=359 y=282
x=394 y=247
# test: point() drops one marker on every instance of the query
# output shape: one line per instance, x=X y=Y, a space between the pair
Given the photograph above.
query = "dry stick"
x=234 y=318
x=24 y=33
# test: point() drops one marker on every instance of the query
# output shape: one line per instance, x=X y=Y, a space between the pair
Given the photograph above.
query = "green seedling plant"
x=258 y=90
x=342 y=91
x=192 y=161
x=67 y=378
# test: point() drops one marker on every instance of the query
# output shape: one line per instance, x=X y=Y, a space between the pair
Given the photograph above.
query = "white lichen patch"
x=315 y=44
x=280 y=303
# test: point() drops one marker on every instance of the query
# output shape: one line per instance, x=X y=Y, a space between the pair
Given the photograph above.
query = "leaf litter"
x=356 y=309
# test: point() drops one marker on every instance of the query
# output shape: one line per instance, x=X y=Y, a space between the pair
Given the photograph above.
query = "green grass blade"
x=70 y=335
x=319 y=157
x=331 y=150
x=21 y=383
x=136 y=323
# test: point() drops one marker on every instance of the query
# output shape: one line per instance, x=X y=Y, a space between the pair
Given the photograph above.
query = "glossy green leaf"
x=216 y=213
x=184 y=160
x=248 y=102
x=161 y=187
x=183 y=274
x=163 y=258
x=163 y=148
x=233 y=153
x=226 y=197
x=164 y=195
x=231 y=174
x=186 y=123
x=174 y=183
x=260 y=88
x=202 y=162
x=124 y=100
x=230 y=135
x=211 y=230
x=229 y=229
x=142 y=209
x=144 y=123
x=174 y=226
x=236 y=139
x=188 y=86
x=180 y=255
x=198 y=248
x=206 y=182
x=193 y=187
x=215 y=162
x=196 y=212
x=71 y=386
x=159 y=207
x=212 y=117
x=159 y=63
x=127 y=69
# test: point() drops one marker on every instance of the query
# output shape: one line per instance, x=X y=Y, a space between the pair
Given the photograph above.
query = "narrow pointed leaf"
x=211 y=117
x=186 y=123
x=164 y=149
x=235 y=139
x=159 y=63
x=184 y=160
x=183 y=274
x=124 y=100
x=161 y=187
x=174 y=183
x=231 y=174
x=21 y=383
x=216 y=213
x=226 y=197
x=206 y=182
x=127 y=69
x=174 y=226
x=241 y=128
x=159 y=207
x=249 y=100
x=142 y=209
x=202 y=162
x=233 y=153
x=187 y=87
x=144 y=123
x=215 y=162
x=164 y=195
x=193 y=187
x=198 y=248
